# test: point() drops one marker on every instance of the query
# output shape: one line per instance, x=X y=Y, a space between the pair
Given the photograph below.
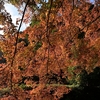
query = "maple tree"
x=60 y=47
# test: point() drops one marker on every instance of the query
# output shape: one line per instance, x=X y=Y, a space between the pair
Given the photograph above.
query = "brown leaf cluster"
x=48 y=53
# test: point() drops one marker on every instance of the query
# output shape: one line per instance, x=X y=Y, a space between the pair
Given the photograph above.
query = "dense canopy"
x=57 y=56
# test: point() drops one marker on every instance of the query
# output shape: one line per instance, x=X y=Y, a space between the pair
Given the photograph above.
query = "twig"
x=48 y=33
x=15 y=49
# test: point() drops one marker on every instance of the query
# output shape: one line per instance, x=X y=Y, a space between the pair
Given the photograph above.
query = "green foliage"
x=74 y=52
x=14 y=2
x=37 y=46
x=54 y=30
x=71 y=68
x=26 y=36
x=25 y=40
x=25 y=87
x=20 y=40
x=75 y=77
x=47 y=5
x=75 y=80
x=34 y=22
x=4 y=91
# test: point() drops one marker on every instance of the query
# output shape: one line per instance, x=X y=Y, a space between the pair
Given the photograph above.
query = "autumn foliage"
x=51 y=56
